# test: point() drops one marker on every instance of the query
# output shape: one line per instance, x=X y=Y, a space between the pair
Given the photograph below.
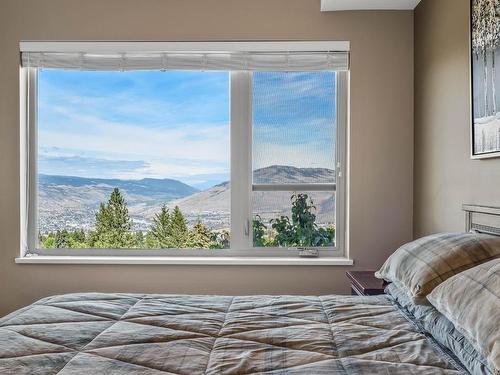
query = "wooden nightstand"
x=364 y=283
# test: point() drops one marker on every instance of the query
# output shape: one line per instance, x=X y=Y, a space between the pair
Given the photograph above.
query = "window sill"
x=247 y=261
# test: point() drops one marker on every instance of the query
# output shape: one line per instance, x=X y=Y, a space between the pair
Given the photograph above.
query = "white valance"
x=239 y=56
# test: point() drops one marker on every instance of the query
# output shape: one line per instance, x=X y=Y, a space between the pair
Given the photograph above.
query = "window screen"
x=294 y=156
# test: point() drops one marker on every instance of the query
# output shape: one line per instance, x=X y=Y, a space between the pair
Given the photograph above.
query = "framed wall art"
x=485 y=78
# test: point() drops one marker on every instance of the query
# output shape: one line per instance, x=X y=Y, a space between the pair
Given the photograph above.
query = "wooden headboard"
x=484 y=219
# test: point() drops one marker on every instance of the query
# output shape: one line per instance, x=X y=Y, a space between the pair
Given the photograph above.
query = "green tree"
x=304 y=224
x=300 y=230
x=200 y=236
x=77 y=239
x=48 y=241
x=219 y=240
x=113 y=224
x=330 y=230
x=285 y=232
x=259 y=229
x=62 y=239
x=160 y=233
x=139 y=239
x=180 y=233
x=78 y=236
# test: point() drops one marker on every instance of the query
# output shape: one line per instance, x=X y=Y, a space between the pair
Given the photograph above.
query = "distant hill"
x=289 y=175
x=71 y=202
x=212 y=205
x=160 y=188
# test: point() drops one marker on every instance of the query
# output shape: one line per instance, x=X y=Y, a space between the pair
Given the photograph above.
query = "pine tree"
x=180 y=233
x=160 y=233
x=114 y=215
x=47 y=241
x=113 y=224
x=62 y=240
x=200 y=236
x=78 y=236
x=139 y=239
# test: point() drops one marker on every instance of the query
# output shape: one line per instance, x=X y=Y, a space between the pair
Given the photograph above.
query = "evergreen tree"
x=113 y=224
x=160 y=233
x=62 y=240
x=48 y=241
x=139 y=239
x=180 y=233
x=78 y=236
x=200 y=236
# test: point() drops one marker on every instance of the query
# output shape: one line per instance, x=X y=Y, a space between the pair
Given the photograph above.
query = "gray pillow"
x=421 y=265
x=471 y=301
x=443 y=331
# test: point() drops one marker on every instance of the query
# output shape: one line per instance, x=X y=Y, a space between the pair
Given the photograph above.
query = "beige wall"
x=381 y=133
x=445 y=176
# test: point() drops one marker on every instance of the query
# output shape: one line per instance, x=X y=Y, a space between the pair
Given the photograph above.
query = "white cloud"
x=184 y=147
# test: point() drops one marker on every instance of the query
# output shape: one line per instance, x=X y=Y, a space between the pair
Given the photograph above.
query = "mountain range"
x=67 y=202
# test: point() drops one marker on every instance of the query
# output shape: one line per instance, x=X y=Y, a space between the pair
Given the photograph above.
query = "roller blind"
x=266 y=60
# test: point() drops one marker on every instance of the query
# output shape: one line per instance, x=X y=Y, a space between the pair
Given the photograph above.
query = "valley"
x=67 y=202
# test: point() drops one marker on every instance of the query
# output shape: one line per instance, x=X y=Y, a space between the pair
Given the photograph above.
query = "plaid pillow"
x=471 y=301
x=421 y=265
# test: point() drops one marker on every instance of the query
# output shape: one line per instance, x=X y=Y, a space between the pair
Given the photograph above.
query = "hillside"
x=212 y=205
x=71 y=202
x=289 y=175
x=160 y=188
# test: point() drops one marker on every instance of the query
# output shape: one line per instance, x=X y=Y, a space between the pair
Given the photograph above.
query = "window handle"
x=247 y=227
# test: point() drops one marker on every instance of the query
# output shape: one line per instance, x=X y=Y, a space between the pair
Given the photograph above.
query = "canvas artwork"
x=485 y=56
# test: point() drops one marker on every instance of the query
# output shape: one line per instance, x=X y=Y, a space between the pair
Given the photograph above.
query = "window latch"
x=247 y=228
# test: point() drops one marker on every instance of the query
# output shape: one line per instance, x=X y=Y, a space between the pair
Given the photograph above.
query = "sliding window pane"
x=294 y=142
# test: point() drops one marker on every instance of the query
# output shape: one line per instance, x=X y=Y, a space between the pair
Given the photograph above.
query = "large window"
x=191 y=152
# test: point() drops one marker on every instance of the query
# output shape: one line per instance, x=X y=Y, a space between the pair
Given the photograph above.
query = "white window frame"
x=241 y=246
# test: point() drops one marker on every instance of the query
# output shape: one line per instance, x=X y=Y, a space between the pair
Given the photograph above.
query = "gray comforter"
x=177 y=334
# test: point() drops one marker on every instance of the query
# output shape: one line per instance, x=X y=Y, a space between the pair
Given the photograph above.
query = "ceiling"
x=333 y=5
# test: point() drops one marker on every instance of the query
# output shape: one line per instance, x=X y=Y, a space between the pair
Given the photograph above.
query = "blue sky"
x=133 y=125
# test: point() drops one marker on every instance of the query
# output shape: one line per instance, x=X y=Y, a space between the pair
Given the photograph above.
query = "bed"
x=186 y=334
x=176 y=334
